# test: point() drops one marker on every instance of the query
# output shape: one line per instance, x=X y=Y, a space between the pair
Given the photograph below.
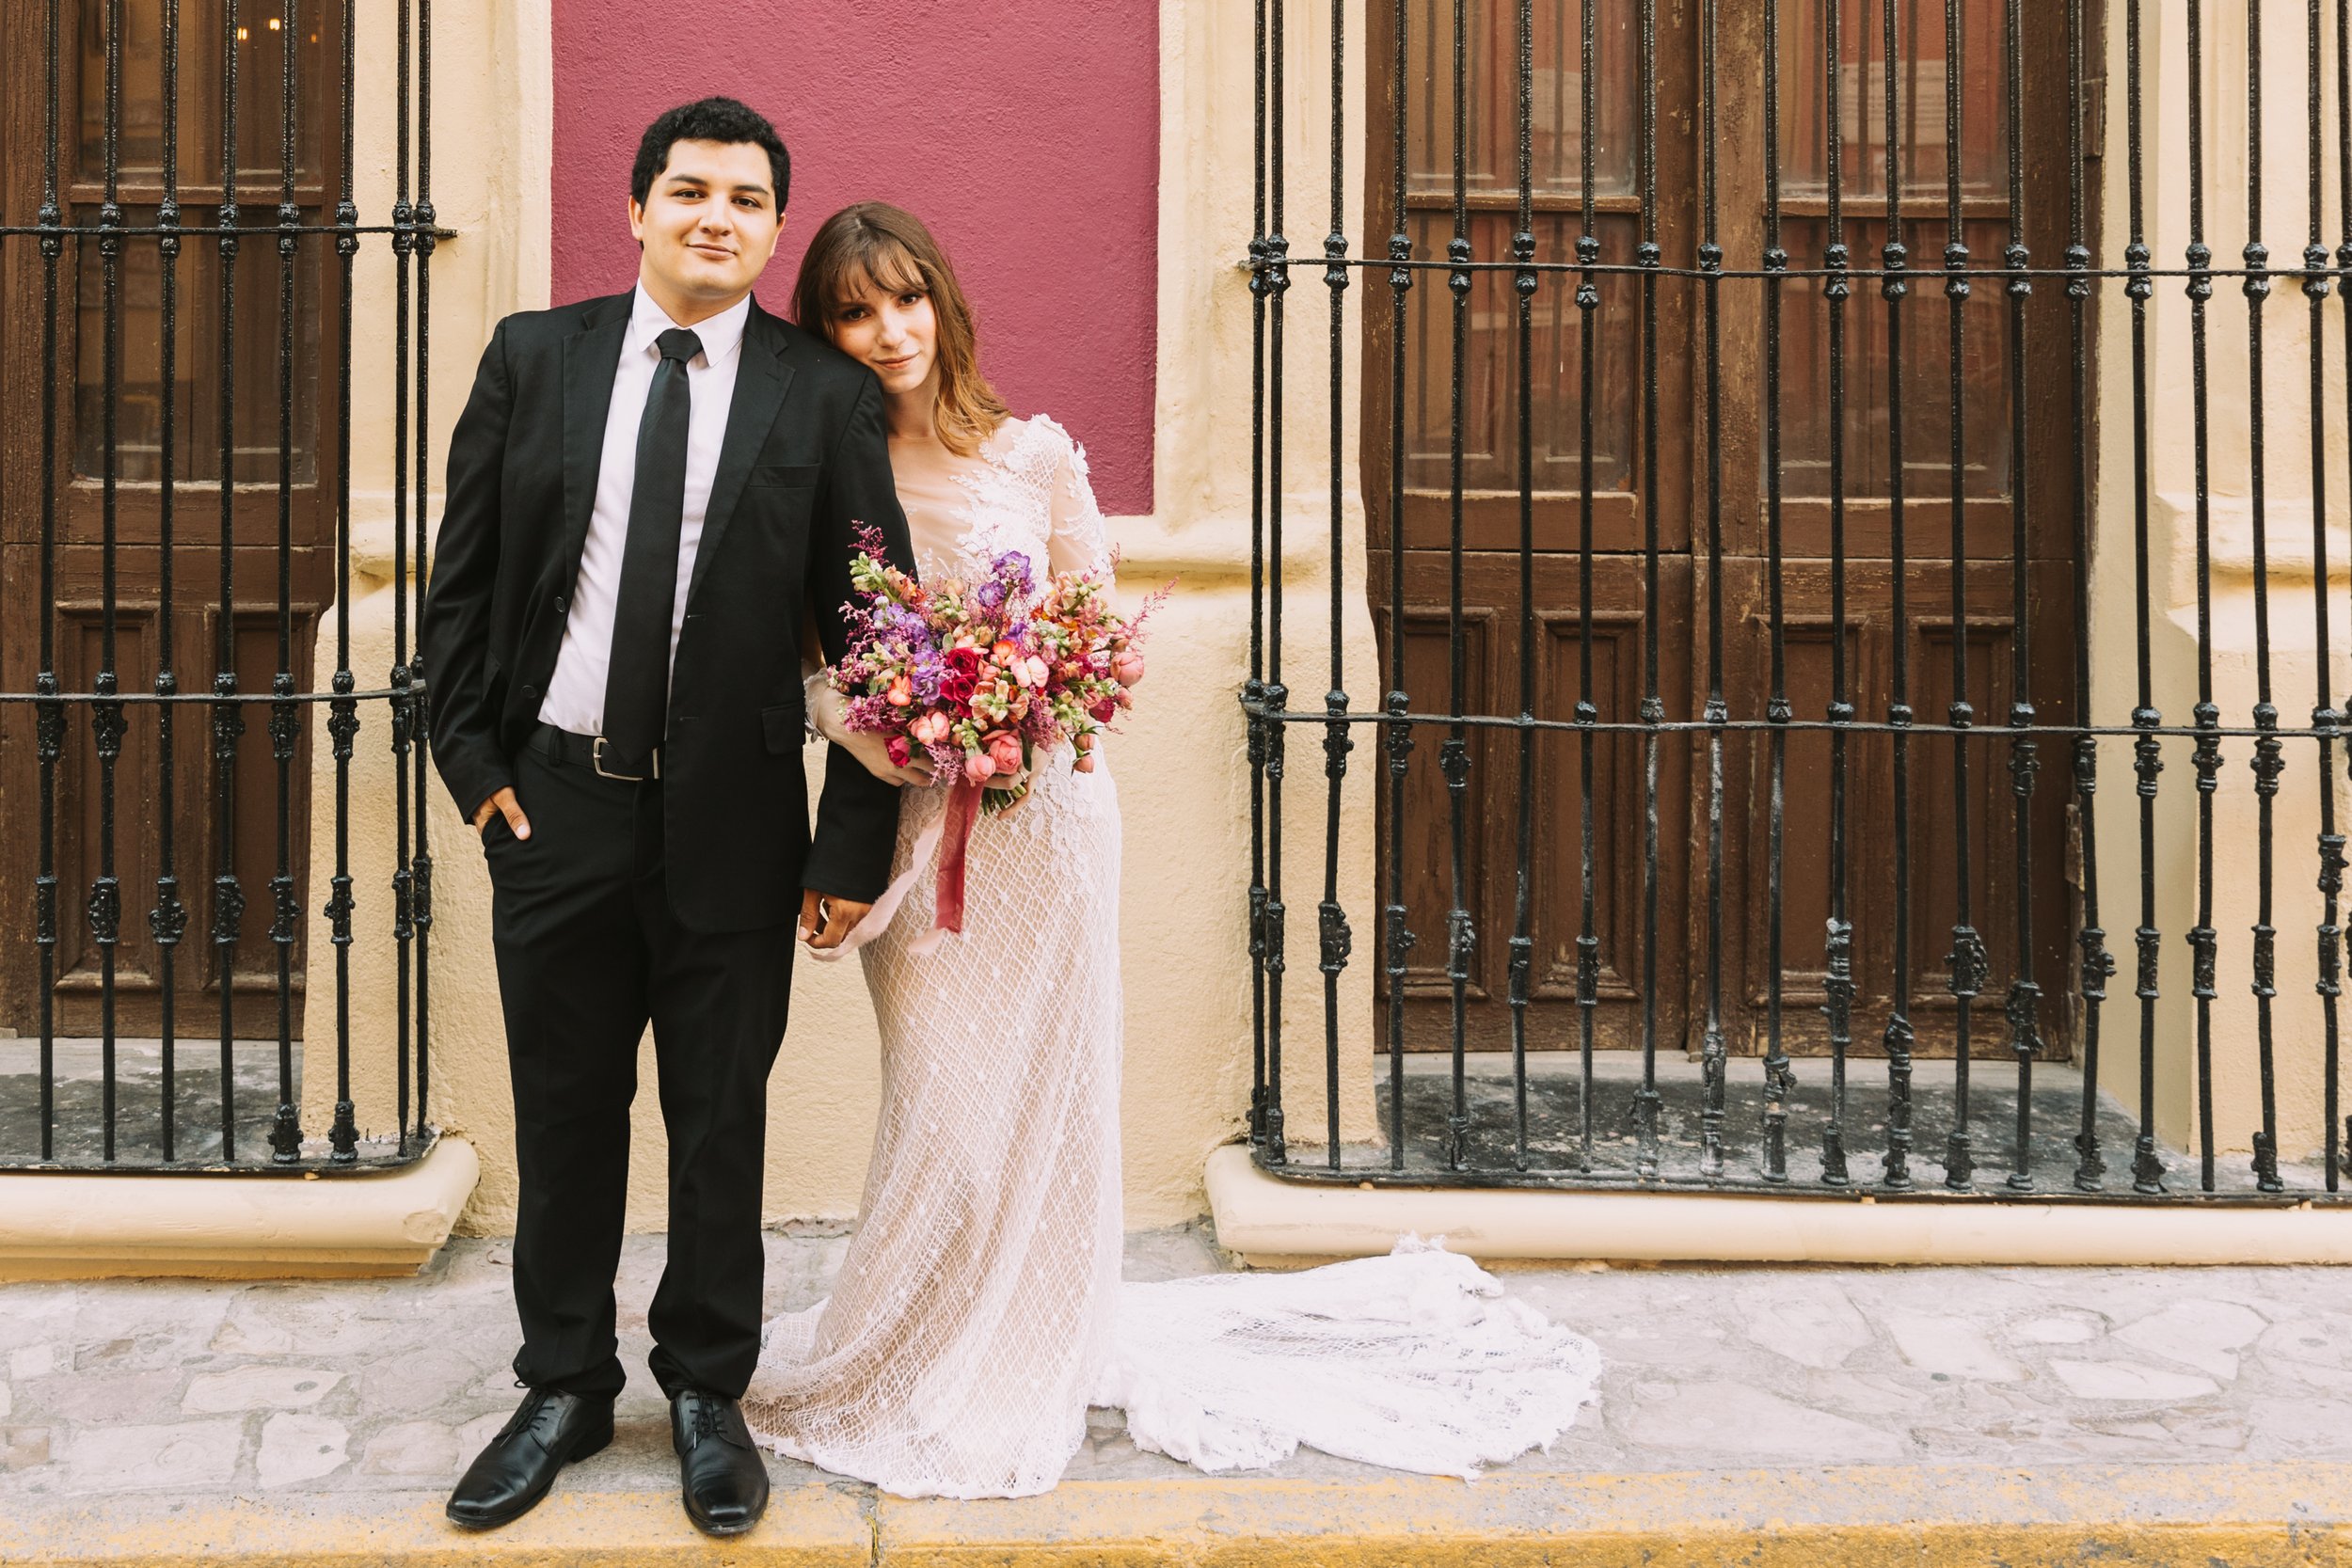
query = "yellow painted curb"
x=1932 y=1517
x=1271 y=1221
x=78 y=1225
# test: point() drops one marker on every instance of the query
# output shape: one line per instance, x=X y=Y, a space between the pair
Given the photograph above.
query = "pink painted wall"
x=1025 y=132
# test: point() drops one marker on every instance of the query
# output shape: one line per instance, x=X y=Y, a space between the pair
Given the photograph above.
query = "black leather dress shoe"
x=508 y=1477
x=726 y=1485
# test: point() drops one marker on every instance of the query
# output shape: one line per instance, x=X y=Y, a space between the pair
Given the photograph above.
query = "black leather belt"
x=590 y=752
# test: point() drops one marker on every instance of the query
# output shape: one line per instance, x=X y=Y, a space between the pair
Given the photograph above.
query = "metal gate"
x=177 y=532
x=1797 y=192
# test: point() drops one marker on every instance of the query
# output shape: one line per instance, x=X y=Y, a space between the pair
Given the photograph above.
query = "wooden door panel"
x=1492 y=798
x=1993 y=881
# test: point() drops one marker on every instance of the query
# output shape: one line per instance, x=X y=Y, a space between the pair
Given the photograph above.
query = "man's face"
x=711 y=222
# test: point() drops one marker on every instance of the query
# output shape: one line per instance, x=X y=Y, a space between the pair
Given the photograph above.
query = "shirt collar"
x=722 y=334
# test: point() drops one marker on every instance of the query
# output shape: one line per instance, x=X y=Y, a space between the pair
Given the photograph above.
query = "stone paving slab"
x=317 y=1399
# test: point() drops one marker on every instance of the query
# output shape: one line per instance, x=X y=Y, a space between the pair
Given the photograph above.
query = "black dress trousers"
x=588 y=952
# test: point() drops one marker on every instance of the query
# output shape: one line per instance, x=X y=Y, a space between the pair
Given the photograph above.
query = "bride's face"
x=895 y=332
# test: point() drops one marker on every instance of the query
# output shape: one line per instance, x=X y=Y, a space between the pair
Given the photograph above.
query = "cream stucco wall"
x=1182 y=778
x=2172 y=541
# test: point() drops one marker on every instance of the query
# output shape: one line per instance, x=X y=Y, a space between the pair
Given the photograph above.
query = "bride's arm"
x=826 y=710
x=1079 y=542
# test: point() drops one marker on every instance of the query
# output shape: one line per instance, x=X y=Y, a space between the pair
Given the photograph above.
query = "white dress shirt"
x=575 y=699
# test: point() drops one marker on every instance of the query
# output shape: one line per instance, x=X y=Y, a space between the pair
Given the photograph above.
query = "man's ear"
x=637 y=220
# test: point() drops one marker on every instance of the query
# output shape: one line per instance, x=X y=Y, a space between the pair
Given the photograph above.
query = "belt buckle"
x=596 y=761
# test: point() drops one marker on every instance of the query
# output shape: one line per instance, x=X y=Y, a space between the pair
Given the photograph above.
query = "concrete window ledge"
x=1272 y=1221
x=83 y=1227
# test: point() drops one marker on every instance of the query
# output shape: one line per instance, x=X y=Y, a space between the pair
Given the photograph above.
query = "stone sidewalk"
x=179 y=1401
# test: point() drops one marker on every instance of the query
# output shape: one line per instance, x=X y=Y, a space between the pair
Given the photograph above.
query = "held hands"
x=505 y=805
x=826 y=920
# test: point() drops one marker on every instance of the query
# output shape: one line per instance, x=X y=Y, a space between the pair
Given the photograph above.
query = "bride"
x=978 y=1311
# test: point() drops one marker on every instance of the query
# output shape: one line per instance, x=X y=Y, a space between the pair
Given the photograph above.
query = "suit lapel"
x=591 y=357
x=760 y=380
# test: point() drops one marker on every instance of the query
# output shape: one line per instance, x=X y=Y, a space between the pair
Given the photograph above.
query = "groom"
x=646 y=491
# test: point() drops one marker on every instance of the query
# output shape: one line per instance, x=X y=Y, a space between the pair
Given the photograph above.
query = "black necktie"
x=637 y=682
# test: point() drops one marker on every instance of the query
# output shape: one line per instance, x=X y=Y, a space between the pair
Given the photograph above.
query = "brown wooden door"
x=1621 y=617
x=211 y=830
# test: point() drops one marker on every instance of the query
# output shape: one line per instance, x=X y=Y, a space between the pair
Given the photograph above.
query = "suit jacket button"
x=530 y=692
x=558 y=604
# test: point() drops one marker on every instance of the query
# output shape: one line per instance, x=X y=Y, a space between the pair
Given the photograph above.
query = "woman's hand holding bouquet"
x=983 y=681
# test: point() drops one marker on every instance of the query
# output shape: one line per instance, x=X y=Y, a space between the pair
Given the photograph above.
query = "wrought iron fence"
x=1737 y=447
x=182 y=415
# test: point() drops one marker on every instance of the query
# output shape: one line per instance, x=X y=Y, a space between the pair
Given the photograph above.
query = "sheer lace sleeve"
x=1079 y=542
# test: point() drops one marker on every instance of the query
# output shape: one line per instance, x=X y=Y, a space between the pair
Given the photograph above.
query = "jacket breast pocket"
x=785 y=476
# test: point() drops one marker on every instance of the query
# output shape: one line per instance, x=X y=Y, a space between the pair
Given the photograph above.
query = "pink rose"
x=979 y=766
x=901 y=753
x=1005 y=751
x=1127 y=666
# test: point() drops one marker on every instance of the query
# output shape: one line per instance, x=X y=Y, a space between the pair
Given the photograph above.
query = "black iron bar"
x=1966 y=960
x=228 y=715
x=2147 y=752
x=343 y=724
x=1277 y=694
x=2208 y=754
x=1646 y=1099
x=107 y=722
x=1838 y=947
x=1712 y=1048
x=2025 y=995
x=1253 y=689
x=2326 y=719
x=1780 y=1079
x=1453 y=756
x=49 y=714
x=285 y=908
x=405 y=715
x=1900 y=1038
x=1523 y=247
x=1331 y=925
x=2098 y=964
x=1399 y=935
x=1587 y=712
x=421 y=862
x=167 y=921
x=2268 y=760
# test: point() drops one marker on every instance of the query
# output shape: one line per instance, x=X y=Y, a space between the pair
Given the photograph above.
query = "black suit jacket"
x=805 y=460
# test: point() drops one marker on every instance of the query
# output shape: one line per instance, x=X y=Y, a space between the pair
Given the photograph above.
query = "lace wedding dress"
x=978 y=1311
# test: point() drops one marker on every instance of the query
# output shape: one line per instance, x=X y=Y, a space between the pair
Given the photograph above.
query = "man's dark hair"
x=719 y=119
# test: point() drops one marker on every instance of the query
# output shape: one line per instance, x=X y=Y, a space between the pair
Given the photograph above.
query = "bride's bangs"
x=876 y=243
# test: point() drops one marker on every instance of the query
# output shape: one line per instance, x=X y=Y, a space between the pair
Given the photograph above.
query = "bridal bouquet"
x=984 y=679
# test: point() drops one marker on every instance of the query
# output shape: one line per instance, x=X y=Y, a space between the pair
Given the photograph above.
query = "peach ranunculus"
x=1127 y=666
x=979 y=766
x=1005 y=751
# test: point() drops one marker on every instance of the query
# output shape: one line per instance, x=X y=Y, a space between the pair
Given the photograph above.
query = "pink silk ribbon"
x=951 y=827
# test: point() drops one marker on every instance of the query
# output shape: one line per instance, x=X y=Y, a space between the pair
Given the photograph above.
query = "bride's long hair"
x=874 y=241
